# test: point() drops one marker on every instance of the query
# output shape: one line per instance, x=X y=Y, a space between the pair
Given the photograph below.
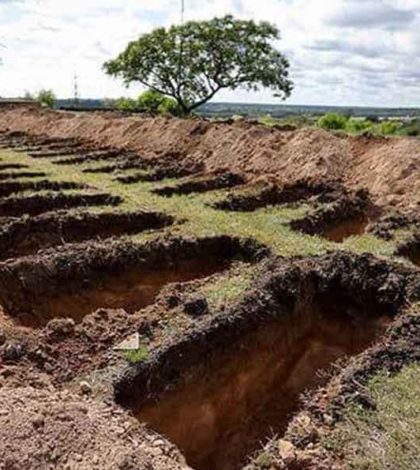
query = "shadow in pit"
x=347 y=216
x=17 y=206
x=83 y=278
x=27 y=235
x=222 y=390
x=410 y=249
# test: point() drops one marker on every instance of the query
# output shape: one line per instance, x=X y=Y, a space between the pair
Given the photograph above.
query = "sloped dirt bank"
x=42 y=429
x=27 y=235
x=222 y=388
x=387 y=166
x=38 y=204
x=80 y=279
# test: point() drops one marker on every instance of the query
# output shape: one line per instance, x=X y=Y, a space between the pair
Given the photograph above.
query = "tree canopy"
x=194 y=61
x=46 y=98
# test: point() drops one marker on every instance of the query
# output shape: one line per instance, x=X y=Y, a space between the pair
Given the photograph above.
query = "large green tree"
x=193 y=61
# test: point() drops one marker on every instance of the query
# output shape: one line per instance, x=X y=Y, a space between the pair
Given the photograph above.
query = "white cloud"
x=352 y=52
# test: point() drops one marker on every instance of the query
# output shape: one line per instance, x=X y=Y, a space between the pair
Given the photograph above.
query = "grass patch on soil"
x=387 y=437
x=269 y=225
x=228 y=287
x=136 y=355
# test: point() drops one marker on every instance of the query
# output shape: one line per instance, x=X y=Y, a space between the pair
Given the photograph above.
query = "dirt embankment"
x=389 y=167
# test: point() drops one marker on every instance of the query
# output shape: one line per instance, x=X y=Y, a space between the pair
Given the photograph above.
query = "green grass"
x=137 y=355
x=269 y=226
x=388 y=437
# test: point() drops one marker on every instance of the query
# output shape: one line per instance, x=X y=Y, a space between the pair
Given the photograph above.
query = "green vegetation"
x=46 y=98
x=192 y=62
x=352 y=125
x=149 y=101
x=136 y=355
x=269 y=225
x=387 y=437
x=333 y=121
x=229 y=286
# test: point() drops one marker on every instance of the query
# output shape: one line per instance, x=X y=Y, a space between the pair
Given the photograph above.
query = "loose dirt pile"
x=44 y=429
x=389 y=167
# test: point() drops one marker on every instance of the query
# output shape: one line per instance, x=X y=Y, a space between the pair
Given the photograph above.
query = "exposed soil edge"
x=274 y=296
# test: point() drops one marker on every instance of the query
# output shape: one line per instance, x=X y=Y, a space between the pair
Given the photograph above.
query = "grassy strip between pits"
x=388 y=436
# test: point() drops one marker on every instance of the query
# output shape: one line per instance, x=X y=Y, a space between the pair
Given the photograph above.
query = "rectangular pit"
x=219 y=393
x=39 y=204
x=28 y=235
x=83 y=278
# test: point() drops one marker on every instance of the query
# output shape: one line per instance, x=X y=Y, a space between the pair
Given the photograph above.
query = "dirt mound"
x=42 y=429
x=389 y=167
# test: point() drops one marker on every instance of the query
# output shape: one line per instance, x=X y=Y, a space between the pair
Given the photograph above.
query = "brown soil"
x=349 y=215
x=387 y=166
x=127 y=165
x=46 y=429
x=96 y=156
x=21 y=174
x=38 y=204
x=7 y=188
x=12 y=166
x=202 y=184
x=29 y=234
x=410 y=249
x=321 y=410
x=263 y=195
x=124 y=275
x=222 y=389
x=155 y=174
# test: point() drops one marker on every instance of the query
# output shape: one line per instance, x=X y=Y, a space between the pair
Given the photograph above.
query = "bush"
x=150 y=101
x=411 y=129
x=46 y=98
x=126 y=104
x=154 y=102
x=333 y=121
x=389 y=127
x=357 y=126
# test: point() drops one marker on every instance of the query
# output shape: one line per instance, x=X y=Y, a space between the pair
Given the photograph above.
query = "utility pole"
x=182 y=11
x=76 y=90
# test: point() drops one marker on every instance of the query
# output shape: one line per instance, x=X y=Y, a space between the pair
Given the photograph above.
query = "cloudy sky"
x=350 y=52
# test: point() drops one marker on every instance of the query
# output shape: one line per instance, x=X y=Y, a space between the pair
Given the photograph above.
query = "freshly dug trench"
x=80 y=279
x=156 y=174
x=9 y=187
x=27 y=235
x=23 y=174
x=203 y=184
x=410 y=249
x=220 y=391
x=12 y=166
x=99 y=155
x=350 y=215
x=63 y=152
x=129 y=165
x=272 y=194
x=38 y=204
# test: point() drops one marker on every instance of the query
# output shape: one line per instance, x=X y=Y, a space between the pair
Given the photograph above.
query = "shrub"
x=126 y=104
x=155 y=102
x=388 y=127
x=333 y=121
x=46 y=98
x=356 y=126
